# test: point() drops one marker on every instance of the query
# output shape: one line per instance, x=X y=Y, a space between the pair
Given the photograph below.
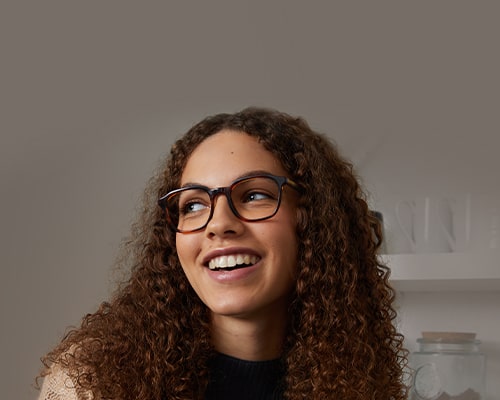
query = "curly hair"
x=152 y=341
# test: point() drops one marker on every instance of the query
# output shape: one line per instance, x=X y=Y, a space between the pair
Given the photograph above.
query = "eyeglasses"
x=251 y=198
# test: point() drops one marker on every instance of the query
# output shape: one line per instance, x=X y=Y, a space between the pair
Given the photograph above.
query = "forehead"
x=227 y=155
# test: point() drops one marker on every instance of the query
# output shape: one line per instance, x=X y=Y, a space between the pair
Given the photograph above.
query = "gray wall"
x=93 y=93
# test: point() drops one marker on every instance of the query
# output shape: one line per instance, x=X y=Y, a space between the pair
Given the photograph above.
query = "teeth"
x=232 y=260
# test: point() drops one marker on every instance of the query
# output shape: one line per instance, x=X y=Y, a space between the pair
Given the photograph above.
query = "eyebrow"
x=244 y=175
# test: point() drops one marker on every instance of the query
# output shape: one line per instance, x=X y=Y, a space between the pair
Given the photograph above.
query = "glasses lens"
x=256 y=198
x=188 y=209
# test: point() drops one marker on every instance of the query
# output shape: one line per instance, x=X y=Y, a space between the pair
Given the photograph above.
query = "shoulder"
x=58 y=385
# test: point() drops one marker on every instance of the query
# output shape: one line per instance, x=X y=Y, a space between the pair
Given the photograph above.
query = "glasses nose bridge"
x=218 y=191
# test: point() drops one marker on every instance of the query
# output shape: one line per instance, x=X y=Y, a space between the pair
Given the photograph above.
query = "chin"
x=230 y=309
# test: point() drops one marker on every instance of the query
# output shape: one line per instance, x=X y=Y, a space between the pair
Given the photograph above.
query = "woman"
x=254 y=275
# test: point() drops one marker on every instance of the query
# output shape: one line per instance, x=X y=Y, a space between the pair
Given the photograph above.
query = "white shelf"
x=445 y=271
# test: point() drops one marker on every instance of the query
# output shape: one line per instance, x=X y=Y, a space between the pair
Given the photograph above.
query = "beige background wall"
x=93 y=93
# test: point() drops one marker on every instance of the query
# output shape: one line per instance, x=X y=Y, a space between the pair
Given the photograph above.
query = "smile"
x=232 y=261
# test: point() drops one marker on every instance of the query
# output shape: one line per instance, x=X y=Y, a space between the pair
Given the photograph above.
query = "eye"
x=256 y=196
x=192 y=202
x=193 y=206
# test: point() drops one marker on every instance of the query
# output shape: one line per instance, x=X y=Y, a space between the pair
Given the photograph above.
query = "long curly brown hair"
x=151 y=341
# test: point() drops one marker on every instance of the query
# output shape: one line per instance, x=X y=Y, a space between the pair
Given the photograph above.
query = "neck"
x=249 y=339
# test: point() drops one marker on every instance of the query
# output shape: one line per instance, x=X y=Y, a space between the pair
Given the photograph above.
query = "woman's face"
x=271 y=244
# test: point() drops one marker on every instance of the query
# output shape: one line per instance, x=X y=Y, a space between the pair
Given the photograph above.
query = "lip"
x=227 y=251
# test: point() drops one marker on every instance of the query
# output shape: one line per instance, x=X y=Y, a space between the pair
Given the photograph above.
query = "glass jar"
x=448 y=366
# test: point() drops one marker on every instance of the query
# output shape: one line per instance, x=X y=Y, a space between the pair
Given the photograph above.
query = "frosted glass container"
x=447 y=366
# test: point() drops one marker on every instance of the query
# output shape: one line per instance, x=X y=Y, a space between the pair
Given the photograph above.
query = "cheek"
x=290 y=237
x=186 y=253
x=293 y=248
x=186 y=249
x=286 y=246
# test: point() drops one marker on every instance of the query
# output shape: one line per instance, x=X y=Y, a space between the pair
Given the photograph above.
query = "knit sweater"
x=231 y=378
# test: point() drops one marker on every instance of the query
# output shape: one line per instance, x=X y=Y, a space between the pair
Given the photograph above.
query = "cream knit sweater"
x=59 y=386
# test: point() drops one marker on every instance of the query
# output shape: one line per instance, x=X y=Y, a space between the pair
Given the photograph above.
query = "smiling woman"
x=254 y=276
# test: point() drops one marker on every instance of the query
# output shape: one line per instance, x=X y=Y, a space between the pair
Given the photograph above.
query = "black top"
x=235 y=379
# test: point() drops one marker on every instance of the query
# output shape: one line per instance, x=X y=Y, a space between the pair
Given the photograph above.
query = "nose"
x=223 y=221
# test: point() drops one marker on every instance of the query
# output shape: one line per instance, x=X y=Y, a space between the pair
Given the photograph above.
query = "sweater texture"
x=232 y=378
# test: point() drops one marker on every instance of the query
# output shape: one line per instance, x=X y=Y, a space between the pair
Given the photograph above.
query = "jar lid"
x=449 y=337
